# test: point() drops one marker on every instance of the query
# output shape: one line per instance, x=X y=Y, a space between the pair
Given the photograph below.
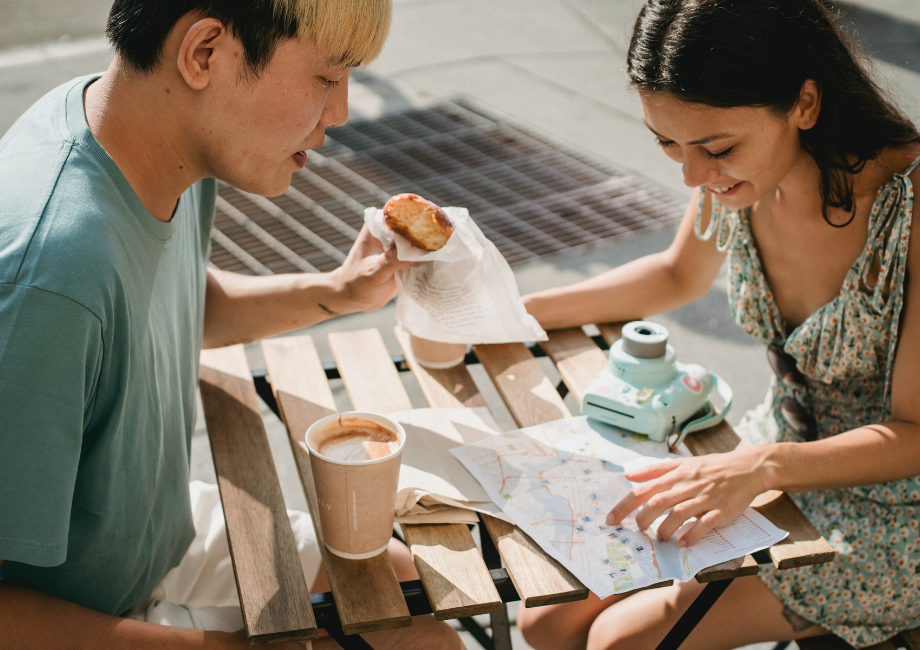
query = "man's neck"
x=137 y=121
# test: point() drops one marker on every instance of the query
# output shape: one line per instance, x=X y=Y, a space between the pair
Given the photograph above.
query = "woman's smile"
x=725 y=190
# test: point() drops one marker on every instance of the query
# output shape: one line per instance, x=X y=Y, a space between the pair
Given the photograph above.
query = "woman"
x=805 y=178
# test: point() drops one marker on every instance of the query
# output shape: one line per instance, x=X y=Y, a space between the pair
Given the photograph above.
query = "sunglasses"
x=797 y=416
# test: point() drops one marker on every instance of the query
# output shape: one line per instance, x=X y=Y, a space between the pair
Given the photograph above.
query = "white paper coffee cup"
x=435 y=354
x=356 y=498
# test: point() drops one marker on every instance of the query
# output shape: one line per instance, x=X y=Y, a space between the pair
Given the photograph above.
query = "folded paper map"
x=557 y=481
x=434 y=488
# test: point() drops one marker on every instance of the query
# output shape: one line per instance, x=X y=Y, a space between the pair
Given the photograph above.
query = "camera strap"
x=712 y=415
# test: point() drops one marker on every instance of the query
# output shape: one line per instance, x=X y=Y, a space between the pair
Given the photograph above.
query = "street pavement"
x=556 y=65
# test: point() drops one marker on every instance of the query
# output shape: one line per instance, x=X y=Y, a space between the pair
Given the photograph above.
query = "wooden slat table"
x=452 y=570
x=575 y=354
x=273 y=592
x=454 y=575
x=367 y=594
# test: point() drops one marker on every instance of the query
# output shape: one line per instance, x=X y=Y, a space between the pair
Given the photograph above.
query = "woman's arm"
x=241 y=308
x=649 y=285
x=716 y=488
x=872 y=454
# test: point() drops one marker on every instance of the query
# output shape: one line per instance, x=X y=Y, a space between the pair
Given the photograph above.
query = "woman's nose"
x=698 y=170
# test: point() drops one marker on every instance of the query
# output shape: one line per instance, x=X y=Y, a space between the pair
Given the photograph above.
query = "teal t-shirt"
x=101 y=316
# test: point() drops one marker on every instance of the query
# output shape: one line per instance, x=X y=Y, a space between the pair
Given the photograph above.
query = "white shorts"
x=201 y=592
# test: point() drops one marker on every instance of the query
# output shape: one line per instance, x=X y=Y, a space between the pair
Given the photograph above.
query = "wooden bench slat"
x=577 y=358
x=610 y=332
x=273 y=592
x=444 y=555
x=804 y=545
x=742 y=566
x=367 y=593
x=367 y=370
x=439 y=551
x=526 y=390
x=443 y=388
x=538 y=578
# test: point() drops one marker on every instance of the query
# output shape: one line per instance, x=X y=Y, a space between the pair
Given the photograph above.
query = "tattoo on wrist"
x=326 y=309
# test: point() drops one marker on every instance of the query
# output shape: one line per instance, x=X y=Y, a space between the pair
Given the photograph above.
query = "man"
x=106 y=204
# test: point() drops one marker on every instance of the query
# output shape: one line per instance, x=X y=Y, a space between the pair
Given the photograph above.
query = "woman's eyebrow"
x=706 y=140
x=711 y=138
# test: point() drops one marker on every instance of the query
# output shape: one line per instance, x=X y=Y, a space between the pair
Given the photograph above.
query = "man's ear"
x=196 y=53
x=808 y=108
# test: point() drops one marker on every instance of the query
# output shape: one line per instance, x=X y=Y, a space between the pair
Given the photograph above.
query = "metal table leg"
x=501 y=626
x=327 y=615
x=477 y=632
x=347 y=641
x=694 y=615
x=501 y=629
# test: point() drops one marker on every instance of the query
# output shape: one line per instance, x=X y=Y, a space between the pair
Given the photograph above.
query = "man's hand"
x=367 y=278
x=715 y=489
x=241 y=308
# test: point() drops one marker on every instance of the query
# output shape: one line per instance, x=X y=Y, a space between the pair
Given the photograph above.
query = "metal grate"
x=532 y=197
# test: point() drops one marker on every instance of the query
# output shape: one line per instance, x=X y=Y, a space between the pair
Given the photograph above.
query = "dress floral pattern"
x=845 y=350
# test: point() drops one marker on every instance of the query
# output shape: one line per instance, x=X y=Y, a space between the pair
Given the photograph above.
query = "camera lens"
x=645 y=340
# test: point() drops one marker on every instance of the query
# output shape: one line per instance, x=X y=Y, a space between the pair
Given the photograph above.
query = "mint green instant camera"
x=644 y=389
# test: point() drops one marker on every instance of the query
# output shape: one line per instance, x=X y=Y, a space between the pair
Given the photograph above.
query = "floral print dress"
x=845 y=350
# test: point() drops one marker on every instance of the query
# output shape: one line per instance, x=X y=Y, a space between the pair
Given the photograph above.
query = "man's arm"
x=240 y=308
x=33 y=620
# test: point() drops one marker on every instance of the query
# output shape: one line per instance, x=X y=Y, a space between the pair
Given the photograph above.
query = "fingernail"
x=610 y=520
x=681 y=543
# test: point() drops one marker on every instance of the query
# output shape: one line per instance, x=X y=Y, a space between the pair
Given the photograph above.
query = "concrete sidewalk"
x=555 y=64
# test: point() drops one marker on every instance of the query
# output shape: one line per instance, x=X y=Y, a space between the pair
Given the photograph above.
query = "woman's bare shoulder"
x=880 y=170
x=910 y=154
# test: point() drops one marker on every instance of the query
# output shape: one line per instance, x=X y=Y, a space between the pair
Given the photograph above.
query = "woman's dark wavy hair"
x=731 y=53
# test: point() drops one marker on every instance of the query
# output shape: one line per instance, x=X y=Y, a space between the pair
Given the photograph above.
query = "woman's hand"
x=714 y=488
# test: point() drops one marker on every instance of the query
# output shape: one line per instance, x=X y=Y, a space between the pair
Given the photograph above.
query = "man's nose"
x=336 y=111
x=698 y=170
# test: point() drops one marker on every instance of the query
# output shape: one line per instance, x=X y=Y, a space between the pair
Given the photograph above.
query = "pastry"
x=424 y=224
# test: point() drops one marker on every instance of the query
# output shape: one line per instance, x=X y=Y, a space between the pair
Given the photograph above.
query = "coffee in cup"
x=355 y=458
x=357 y=439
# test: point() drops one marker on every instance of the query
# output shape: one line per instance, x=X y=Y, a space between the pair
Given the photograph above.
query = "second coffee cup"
x=435 y=354
x=355 y=457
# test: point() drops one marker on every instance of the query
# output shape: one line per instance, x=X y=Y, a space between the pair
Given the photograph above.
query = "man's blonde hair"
x=352 y=32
